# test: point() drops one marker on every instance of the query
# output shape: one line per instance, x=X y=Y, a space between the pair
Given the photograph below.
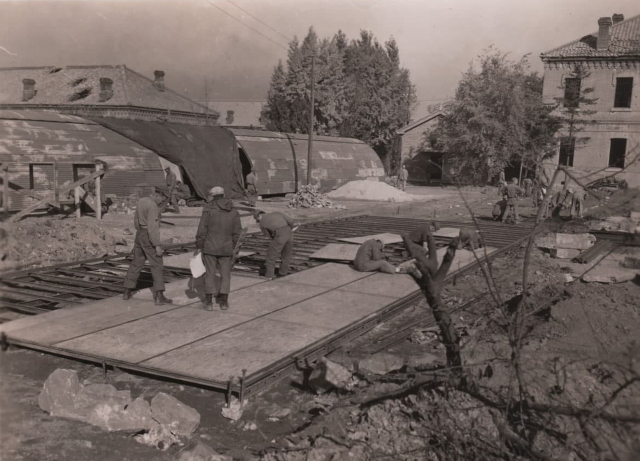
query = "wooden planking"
x=330 y=275
x=252 y=346
x=146 y=338
x=395 y=286
x=337 y=252
x=333 y=310
x=385 y=238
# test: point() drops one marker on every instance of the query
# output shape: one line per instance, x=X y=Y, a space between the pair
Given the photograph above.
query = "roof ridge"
x=420 y=121
x=586 y=35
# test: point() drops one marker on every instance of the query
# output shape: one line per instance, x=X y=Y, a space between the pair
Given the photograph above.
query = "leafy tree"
x=496 y=119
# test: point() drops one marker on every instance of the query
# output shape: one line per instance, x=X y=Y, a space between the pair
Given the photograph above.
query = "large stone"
x=423 y=360
x=181 y=419
x=327 y=375
x=610 y=275
x=570 y=241
x=381 y=363
x=59 y=393
x=92 y=395
x=112 y=417
x=564 y=253
x=200 y=452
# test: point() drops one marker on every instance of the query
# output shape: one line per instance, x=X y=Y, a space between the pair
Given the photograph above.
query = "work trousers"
x=512 y=207
x=212 y=284
x=143 y=250
x=174 y=203
x=403 y=184
x=252 y=193
x=577 y=206
x=281 y=246
x=376 y=266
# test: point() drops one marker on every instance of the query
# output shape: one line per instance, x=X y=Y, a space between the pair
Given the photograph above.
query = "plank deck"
x=385 y=238
x=337 y=252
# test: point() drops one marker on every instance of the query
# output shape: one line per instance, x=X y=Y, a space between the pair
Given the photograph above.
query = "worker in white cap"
x=217 y=236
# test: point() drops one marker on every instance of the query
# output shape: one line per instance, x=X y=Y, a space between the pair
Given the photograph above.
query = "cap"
x=163 y=191
x=257 y=213
x=217 y=190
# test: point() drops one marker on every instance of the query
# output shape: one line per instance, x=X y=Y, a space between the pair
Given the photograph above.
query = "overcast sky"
x=195 y=42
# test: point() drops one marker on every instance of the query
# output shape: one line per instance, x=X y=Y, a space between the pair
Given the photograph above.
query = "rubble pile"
x=310 y=197
x=370 y=190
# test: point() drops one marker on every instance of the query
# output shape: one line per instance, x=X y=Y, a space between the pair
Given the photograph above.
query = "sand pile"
x=370 y=190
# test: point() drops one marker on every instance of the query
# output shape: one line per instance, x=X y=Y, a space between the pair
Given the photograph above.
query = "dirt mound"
x=370 y=190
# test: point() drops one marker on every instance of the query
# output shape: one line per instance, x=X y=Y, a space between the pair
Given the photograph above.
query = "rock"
x=422 y=361
x=169 y=411
x=381 y=363
x=59 y=393
x=564 y=253
x=635 y=216
x=568 y=278
x=570 y=241
x=95 y=394
x=200 y=452
x=127 y=232
x=233 y=411
x=327 y=375
x=159 y=437
x=609 y=275
x=632 y=262
x=136 y=417
x=123 y=249
x=279 y=413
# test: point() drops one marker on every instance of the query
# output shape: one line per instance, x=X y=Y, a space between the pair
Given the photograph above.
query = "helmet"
x=216 y=191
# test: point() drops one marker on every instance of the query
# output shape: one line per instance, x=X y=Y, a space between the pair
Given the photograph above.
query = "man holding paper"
x=217 y=236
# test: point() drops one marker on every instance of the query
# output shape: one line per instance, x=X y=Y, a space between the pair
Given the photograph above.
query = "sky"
x=207 y=50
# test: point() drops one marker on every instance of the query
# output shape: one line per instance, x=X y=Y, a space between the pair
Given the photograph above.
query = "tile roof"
x=80 y=85
x=625 y=42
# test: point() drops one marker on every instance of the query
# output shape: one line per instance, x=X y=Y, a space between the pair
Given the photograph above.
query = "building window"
x=40 y=176
x=571 y=92
x=617 y=152
x=624 y=86
x=567 y=148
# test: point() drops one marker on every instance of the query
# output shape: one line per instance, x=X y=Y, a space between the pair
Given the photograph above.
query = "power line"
x=261 y=22
x=248 y=26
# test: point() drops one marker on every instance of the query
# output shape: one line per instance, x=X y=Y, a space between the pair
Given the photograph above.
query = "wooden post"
x=56 y=193
x=310 y=151
x=5 y=189
x=76 y=201
x=98 y=201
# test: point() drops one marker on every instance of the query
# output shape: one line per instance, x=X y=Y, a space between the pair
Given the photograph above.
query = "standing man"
x=251 y=183
x=172 y=182
x=511 y=192
x=279 y=228
x=370 y=258
x=147 y=246
x=577 y=201
x=403 y=176
x=528 y=186
x=217 y=236
x=502 y=181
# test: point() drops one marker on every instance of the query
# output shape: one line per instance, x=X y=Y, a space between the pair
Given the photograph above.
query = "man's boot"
x=224 y=302
x=127 y=294
x=208 y=303
x=160 y=299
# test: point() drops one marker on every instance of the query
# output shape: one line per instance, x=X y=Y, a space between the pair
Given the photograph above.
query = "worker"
x=172 y=182
x=251 y=182
x=403 y=176
x=279 y=228
x=498 y=210
x=511 y=193
x=578 y=196
x=147 y=245
x=217 y=236
x=502 y=182
x=527 y=183
x=183 y=191
x=557 y=202
x=469 y=239
x=370 y=258
x=419 y=234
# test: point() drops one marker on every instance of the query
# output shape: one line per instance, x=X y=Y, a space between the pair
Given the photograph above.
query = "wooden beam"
x=98 y=201
x=56 y=193
x=5 y=191
x=76 y=202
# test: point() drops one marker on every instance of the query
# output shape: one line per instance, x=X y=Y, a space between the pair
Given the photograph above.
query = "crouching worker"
x=498 y=210
x=279 y=228
x=469 y=239
x=419 y=234
x=147 y=245
x=218 y=233
x=370 y=258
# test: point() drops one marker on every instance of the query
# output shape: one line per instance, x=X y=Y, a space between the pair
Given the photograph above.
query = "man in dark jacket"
x=419 y=234
x=511 y=193
x=279 y=228
x=370 y=258
x=217 y=236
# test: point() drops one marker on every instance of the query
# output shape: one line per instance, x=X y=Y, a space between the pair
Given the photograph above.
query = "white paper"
x=197 y=266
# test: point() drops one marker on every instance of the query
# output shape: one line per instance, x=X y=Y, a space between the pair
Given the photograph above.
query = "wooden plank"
x=336 y=252
x=330 y=275
x=253 y=345
x=392 y=285
x=385 y=238
x=182 y=260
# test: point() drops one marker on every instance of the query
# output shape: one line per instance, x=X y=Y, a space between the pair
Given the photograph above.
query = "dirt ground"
x=576 y=354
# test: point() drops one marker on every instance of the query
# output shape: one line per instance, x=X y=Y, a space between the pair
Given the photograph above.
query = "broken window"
x=572 y=92
x=624 y=86
x=40 y=176
x=567 y=149
x=617 y=152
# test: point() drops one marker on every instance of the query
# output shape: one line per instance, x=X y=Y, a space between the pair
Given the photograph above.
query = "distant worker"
x=183 y=191
x=511 y=193
x=420 y=233
x=147 y=246
x=251 y=182
x=370 y=258
x=172 y=182
x=498 y=210
x=527 y=184
x=578 y=196
x=217 y=236
x=469 y=239
x=278 y=227
x=403 y=176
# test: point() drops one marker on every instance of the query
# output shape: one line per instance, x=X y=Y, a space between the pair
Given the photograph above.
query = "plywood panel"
x=253 y=345
x=152 y=336
x=384 y=238
x=392 y=285
x=333 y=310
x=337 y=252
x=328 y=275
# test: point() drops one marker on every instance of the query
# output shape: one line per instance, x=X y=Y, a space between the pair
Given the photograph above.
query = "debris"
x=381 y=363
x=249 y=426
x=371 y=190
x=159 y=437
x=328 y=375
x=569 y=241
x=568 y=278
x=200 y=452
x=233 y=410
x=609 y=275
x=601 y=246
x=309 y=197
x=279 y=413
x=181 y=419
x=424 y=336
x=423 y=360
x=632 y=262
x=564 y=253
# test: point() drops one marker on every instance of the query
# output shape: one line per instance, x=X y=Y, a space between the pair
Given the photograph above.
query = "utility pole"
x=309 y=154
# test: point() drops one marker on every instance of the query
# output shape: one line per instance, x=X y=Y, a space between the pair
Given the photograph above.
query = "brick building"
x=612 y=59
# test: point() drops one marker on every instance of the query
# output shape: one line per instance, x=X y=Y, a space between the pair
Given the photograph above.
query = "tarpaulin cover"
x=208 y=154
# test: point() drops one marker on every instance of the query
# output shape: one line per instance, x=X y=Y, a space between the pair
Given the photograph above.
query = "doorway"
x=246 y=165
